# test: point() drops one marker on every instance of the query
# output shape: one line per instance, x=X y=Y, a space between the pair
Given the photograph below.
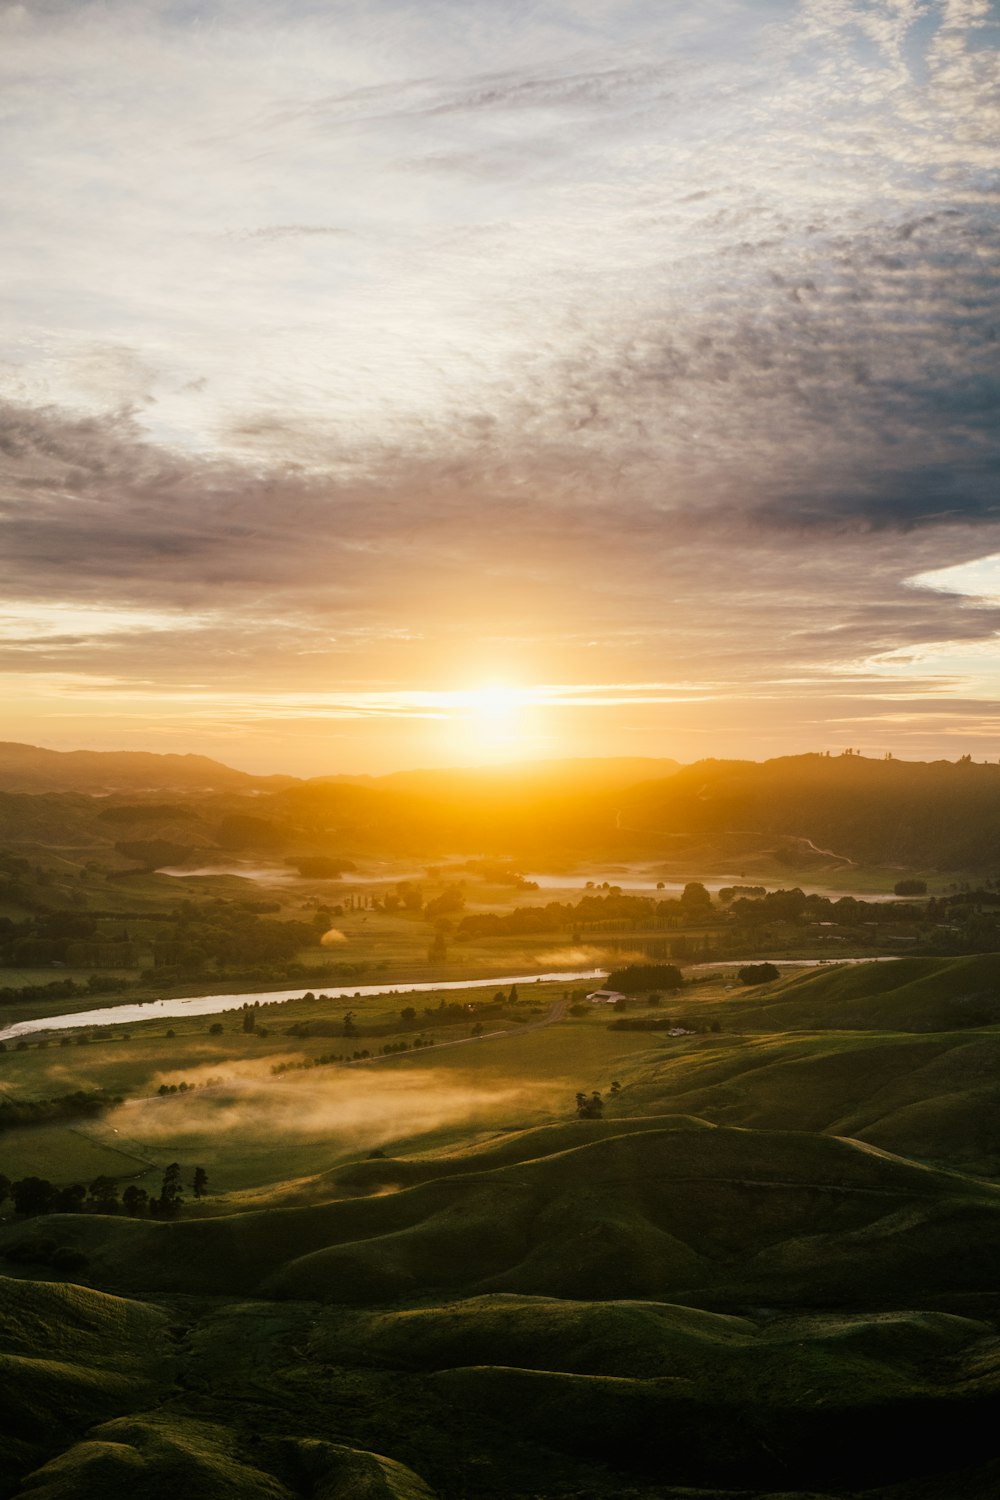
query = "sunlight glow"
x=490 y=720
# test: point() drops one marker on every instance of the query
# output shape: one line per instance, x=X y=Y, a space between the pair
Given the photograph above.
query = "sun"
x=495 y=704
x=490 y=721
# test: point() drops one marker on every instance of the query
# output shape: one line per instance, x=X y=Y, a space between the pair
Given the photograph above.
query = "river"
x=210 y=1005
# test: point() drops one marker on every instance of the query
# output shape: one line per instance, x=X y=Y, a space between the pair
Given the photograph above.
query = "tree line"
x=35 y=1196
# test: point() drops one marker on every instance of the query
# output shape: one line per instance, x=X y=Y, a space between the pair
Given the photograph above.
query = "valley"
x=339 y=1185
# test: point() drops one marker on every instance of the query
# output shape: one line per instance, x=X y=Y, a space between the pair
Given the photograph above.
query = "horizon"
x=444 y=384
x=514 y=766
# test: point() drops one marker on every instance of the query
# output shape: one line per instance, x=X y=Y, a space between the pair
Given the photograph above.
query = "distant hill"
x=29 y=768
x=815 y=810
x=808 y=813
x=578 y=776
x=542 y=808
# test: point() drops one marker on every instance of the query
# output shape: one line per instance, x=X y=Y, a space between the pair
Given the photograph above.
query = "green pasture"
x=50 y=974
x=931 y=1096
x=533 y=1076
x=66 y=1154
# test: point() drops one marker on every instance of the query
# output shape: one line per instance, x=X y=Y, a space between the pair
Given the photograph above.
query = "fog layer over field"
x=366 y=1104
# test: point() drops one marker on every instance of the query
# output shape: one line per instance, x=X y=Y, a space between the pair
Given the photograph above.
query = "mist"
x=359 y=1105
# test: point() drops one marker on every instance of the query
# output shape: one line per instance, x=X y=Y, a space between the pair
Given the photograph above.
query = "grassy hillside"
x=515 y=1393
x=768 y=1270
x=712 y=1215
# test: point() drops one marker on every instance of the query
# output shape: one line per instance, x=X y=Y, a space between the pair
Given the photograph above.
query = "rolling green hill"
x=706 y=1215
x=768 y=1272
x=909 y=994
x=531 y=1319
x=936 y=1097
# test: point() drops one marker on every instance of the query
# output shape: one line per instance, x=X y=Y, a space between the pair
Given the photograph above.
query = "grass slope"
x=75 y=1354
x=909 y=994
x=653 y=1213
x=933 y=1097
x=718 y=1289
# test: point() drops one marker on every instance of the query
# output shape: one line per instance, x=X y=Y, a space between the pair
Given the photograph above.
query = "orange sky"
x=395 y=384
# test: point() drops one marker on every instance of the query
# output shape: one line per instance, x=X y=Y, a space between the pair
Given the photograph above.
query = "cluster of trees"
x=65 y=989
x=591 y=1106
x=220 y=935
x=305 y=1064
x=741 y=909
x=225 y=937
x=82 y=1104
x=613 y=911
x=452 y=1011
x=33 y=1196
x=634 y=978
x=757 y=974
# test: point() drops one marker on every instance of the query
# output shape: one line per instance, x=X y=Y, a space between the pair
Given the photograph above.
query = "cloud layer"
x=401 y=347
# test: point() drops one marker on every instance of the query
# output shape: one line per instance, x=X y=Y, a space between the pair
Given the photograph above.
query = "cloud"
x=286 y=231
x=674 y=329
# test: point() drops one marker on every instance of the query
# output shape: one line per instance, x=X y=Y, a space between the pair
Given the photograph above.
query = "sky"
x=391 y=383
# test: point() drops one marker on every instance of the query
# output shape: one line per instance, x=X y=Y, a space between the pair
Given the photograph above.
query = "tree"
x=33 y=1196
x=757 y=974
x=637 y=977
x=349 y=1027
x=135 y=1201
x=70 y=1199
x=410 y=895
x=4 y=1188
x=171 y=1192
x=450 y=900
x=695 y=894
x=215 y=1029
x=103 y=1196
x=512 y=997
x=199 y=1184
x=910 y=888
